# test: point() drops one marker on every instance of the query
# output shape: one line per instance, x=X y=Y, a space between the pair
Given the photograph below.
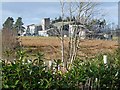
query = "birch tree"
x=82 y=12
x=85 y=10
x=61 y=29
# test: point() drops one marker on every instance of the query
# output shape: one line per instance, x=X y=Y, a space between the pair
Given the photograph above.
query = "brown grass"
x=40 y=41
x=51 y=46
x=0 y=44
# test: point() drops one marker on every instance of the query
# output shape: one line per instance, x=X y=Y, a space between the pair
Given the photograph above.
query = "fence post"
x=50 y=64
x=105 y=59
x=58 y=67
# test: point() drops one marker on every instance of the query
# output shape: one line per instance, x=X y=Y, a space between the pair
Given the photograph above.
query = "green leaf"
x=16 y=82
x=12 y=86
x=5 y=86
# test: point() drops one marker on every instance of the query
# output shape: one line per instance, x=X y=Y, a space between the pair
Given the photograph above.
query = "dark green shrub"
x=84 y=74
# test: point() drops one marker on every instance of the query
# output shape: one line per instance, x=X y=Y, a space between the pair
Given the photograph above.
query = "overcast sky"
x=33 y=12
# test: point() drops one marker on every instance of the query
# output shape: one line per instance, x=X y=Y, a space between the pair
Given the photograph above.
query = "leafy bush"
x=83 y=74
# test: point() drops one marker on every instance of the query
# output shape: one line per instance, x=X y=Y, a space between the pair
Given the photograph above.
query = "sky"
x=33 y=12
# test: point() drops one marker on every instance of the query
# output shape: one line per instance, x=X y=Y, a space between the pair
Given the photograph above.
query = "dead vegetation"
x=51 y=46
x=9 y=42
x=0 y=44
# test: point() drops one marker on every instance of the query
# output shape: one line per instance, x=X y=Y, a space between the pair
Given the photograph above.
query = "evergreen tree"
x=8 y=24
x=19 y=25
x=59 y=19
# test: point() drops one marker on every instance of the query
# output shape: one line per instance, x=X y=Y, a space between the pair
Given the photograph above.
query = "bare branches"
x=82 y=11
x=61 y=28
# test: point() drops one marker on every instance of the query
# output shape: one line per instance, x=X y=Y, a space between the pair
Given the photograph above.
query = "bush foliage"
x=83 y=74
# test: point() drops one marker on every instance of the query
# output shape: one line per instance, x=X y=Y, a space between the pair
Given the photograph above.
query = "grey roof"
x=47 y=30
x=59 y=24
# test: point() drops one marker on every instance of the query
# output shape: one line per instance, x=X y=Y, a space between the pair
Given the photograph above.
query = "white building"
x=79 y=30
x=33 y=29
x=43 y=33
x=46 y=29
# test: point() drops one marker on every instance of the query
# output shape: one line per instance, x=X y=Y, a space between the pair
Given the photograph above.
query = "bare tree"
x=85 y=10
x=82 y=11
x=61 y=29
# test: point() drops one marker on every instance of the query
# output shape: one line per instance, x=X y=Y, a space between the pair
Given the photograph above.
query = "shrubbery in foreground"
x=84 y=74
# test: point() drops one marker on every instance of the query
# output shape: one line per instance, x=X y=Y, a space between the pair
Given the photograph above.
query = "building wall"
x=43 y=33
x=45 y=23
x=82 y=34
x=32 y=30
x=71 y=30
x=80 y=31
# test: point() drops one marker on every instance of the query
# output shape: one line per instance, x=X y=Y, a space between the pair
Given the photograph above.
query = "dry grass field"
x=50 y=46
x=0 y=44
